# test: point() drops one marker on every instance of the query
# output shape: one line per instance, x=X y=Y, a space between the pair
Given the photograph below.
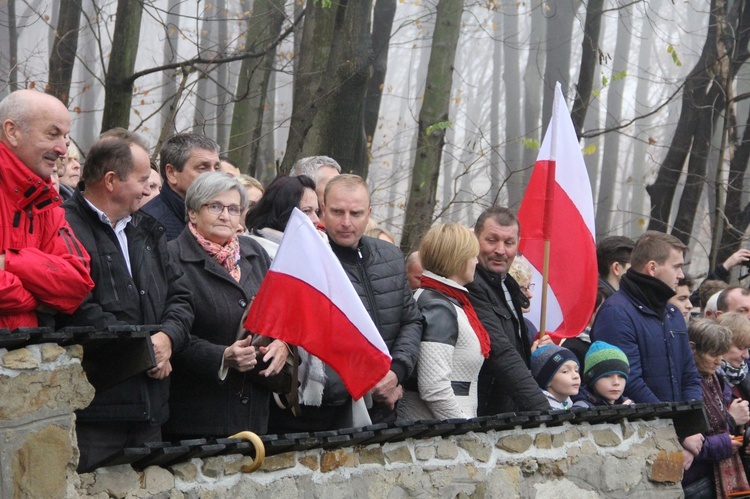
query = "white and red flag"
x=557 y=211
x=306 y=299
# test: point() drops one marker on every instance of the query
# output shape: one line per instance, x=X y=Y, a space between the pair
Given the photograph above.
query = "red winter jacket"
x=44 y=263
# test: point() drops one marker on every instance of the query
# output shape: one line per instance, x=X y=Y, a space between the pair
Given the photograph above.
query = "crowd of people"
x=185 y=245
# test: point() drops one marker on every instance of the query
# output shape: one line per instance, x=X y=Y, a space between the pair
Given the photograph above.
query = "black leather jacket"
x=505 y=381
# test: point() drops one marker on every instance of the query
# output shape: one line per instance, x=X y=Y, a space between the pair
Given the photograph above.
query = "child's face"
x=610 y=387
x=565 y=382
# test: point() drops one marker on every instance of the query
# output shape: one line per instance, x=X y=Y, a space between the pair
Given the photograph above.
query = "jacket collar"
x=496 y=280
x=351 y=255
x=24 y=188
x=647 y=290
x=173 y=201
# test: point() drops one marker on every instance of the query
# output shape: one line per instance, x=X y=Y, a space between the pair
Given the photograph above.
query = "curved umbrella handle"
x=260 y=450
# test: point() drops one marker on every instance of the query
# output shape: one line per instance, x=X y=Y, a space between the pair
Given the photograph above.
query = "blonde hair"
x=62 y=161
x=346 y=181
x=248 y=181
x=521 y=269
x=740 y=327
x=446 y=247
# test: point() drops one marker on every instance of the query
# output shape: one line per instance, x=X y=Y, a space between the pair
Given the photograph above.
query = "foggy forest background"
x=440 y=104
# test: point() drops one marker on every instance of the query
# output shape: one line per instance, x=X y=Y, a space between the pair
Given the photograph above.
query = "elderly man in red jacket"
x=43 y=268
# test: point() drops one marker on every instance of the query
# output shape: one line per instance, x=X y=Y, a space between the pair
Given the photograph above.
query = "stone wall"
x=639 y=459
x=40 y=386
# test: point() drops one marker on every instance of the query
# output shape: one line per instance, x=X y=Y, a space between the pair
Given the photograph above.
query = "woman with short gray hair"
x=211 y=394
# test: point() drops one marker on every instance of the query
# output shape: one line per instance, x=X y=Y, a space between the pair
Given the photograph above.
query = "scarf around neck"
x=648 y=290
x=462 y=297
x=733 y=375
x=228 y=255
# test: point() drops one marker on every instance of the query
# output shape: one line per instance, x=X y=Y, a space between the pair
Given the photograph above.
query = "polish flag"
x=558 y=207
x=306 y=299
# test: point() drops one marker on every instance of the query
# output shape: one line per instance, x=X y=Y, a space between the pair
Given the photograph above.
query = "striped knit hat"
x=603 y=359
x=547 y=360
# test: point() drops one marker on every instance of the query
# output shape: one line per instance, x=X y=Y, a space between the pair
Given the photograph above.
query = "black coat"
x=505 y=381
x=378 y=274
x=200 y=403
x=155 y=294
x=169 y=209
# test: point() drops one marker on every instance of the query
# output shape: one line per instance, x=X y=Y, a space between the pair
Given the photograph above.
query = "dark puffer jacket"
x=155 y=294
x=505 y=381
x=377 y=271
x=169 y=209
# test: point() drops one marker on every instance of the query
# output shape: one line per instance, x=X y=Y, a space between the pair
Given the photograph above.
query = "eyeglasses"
x=526 y=289
x=234 y=210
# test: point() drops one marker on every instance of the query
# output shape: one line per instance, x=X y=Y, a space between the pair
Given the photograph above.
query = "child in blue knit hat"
x=555 y=370
x=606 y=371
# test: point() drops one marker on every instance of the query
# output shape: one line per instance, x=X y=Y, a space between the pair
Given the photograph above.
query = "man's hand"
x=736 y=258
x=693 y=443
x=160 y=372
x=163 y=352
x=388 y=391
x=278 y=351
x=739 y=411
x=240 y=356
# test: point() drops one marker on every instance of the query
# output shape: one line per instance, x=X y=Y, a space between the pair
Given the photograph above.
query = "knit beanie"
x=603 y=359
x=547 y=360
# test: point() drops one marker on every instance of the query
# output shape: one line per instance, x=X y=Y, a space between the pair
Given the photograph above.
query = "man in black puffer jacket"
x=377 y=271
x=505 y=381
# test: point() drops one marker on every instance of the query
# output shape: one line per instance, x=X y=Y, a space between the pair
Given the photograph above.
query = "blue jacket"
x=169 y=209
x=662 y=368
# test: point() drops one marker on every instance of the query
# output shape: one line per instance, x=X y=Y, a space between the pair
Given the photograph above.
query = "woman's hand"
x=276 y=353
x=240 y=355
x=546 y=340
x=739 y=411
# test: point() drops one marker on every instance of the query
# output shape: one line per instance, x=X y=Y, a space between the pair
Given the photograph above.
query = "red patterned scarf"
x=462 y=297
x=228 y=255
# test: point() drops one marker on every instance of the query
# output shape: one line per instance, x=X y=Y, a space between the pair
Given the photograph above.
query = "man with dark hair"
x=706 y=290
x=613 y=260
x=505 y=381
x=734 y=299
x=182 y=158
x=43 y=268
x=639 y=319
x=681 y=299
x=135 y=284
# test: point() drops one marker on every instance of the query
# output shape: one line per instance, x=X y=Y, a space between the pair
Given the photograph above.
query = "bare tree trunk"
x=559 y=36
x=64 y=48
x=263 y=26
x=589 y=57
x=329 y=92
x=382 y=23
x=205 y=111
x=611 y=154
x=701 y=102
x=168 y=78
x=118 y=89
x=642 y=127
x=496 y=162
x=12 y=46
x=265 y=170
x=532 y=79
x=433 y=114
x=513 y=123
x=222 y=80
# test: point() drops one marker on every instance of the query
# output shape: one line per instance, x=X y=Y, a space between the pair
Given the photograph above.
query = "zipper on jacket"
x=31 y=221
x=112 y=278
x=368 y=288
